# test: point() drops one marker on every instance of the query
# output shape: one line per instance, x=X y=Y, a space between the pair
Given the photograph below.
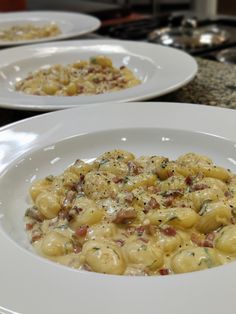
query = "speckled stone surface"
x=214 y=85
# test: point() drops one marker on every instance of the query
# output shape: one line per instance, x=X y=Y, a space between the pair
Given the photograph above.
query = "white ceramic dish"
x=161 y=70
x=45 y=144
x=70 y=24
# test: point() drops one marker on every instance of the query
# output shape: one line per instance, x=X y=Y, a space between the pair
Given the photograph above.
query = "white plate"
x=70 y=24
x=161 y=70
x=46 y=144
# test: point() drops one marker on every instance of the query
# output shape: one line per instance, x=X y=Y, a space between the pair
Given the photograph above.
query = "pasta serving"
x=29 y=32
x=136 y=216
x=96 y=76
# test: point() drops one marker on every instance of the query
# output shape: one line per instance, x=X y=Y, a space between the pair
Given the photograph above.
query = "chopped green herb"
x=50 y=178
x=120 y=157
x=68 y=246
x=79 y=195
x=142 y=247
x=116 y=253
x=152 y=264
x=171 y=217
x=103 y=161
x=206 y=259
x=62 y=227
x=203 y=209
x=126 y=179
x=93 y=60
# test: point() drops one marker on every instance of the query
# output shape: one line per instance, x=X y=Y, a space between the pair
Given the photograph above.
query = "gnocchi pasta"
x=29 y=32
x=96 y=76
x=124 y=215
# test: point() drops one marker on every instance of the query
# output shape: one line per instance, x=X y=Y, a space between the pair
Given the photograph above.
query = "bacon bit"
x=80 y=88
x=29 y=77
x=120 y=242
x=199 y=187
x=196 y=238
x=203 y=242
x=170 y=174
x=189 y=180
x=208 y=242
x=154 y=189
x=168 y=202
x=81 y=231
x=164 y=271
x=134 y=169
x=174 y=193
x=78 y=187
x=78 y=161
x=81 y=179
x=96 y=80
x=153 y=204
x=34 y=213
x=130 y=230
x=116 y=76
x=67 y=202
x=210 y=236
x=117 y=180
x=29 y=226
x=122 y=67
x=63 y=214
x=124 y=215
x=91 y=70
x=228 y=194
x=151 y=229
x=36 y=237
x=143 y=240
x=168 y=231
x=78 y=209
x=140 y=230
x=129 y=196
x=146 y=209
x=77 y=249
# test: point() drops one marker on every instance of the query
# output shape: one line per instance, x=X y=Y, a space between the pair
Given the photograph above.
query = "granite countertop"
x=214 y=85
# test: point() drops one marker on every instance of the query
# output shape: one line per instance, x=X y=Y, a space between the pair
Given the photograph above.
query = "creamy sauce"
x=96 y=76
x=29 y=32
x=136 y=216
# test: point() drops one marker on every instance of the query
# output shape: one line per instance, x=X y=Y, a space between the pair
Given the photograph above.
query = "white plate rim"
x=185 y=66
x=93 y=24
x=57 y=289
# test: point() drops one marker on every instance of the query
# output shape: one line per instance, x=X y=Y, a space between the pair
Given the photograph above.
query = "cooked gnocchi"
x=124 y=215
x=29 y=32
x=96 y=76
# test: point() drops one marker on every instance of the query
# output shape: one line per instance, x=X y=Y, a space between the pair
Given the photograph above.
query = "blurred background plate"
x=70 y=24
x=161 y=70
